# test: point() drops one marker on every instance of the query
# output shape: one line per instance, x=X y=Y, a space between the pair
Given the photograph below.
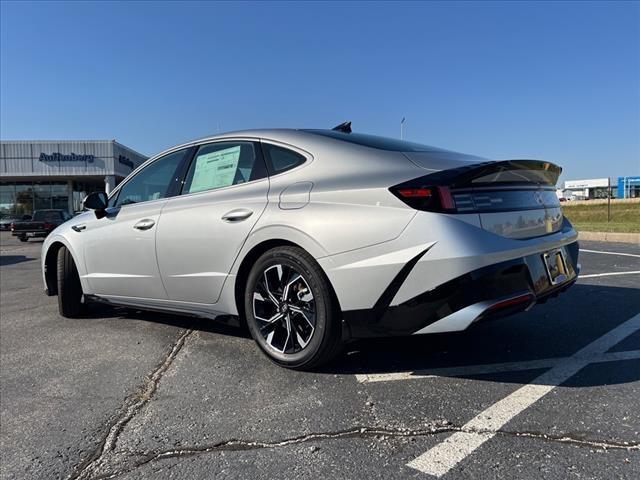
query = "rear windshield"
x=519 y=171
x=373 y=141
x=47 y=216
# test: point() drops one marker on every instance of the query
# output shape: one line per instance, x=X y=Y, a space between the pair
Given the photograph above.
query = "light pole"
x=401 y=128
x=608 y=199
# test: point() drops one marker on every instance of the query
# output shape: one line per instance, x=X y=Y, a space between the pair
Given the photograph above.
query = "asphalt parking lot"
x=551 y=393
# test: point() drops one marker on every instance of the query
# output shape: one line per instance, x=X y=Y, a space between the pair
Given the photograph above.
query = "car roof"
x=302 y=137
x=310 y=140
x=278 y=134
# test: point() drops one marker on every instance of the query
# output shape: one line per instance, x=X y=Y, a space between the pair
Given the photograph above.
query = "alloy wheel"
x=285 y=310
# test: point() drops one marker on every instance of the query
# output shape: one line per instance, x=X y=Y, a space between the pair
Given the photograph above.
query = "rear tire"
x=288 y=285
x=22 y=238
x=69 y=288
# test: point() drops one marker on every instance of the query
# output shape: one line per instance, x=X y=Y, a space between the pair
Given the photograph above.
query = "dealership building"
x=38 y=175
x=624 y=187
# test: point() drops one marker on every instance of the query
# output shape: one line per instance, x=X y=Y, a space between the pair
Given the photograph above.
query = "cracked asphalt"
x=126 y=394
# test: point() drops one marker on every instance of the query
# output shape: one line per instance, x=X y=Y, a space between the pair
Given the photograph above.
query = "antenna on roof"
x=343 y=127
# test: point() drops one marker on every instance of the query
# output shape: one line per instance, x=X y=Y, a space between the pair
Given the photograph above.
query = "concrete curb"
x=610 y=237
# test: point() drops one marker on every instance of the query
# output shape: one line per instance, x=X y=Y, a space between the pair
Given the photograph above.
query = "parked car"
x=314 y=237
x=41 y=224
x=7 y=220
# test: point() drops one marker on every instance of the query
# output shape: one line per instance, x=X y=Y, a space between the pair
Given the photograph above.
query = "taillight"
x=49 y=226
x=424 y=197
x=426 y=194
x=415 y=192
x=446 y=198
x=13 y=227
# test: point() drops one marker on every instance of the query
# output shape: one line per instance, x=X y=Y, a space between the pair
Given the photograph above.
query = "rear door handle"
x=237 y=215
x=79 y=228
x=144 y=224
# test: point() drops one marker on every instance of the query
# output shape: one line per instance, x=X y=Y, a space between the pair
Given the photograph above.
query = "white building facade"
x=59 y=174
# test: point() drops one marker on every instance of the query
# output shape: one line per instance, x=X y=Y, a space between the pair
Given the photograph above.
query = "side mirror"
x=97 y=201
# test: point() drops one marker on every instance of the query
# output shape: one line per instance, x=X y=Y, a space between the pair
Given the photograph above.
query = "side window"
x=281 y=159
x=223 y=164
x=153 y=182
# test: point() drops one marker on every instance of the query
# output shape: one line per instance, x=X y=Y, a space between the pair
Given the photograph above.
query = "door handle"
x=237 y=215
x=79 y=228
x=144 y=224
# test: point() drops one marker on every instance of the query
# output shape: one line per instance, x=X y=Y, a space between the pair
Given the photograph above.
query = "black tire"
x=22 y=238
x=69 y=287
x=322 y=318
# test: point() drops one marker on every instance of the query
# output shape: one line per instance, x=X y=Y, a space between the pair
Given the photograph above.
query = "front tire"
x=69 y=288
x=22 y=238
x=291 y=310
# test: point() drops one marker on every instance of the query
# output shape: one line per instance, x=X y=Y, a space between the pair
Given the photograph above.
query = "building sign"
x=71 y=157
x=125 y=161
x=592 y=183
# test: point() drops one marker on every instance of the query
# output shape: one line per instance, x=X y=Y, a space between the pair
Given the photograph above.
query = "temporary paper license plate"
x=556 y=266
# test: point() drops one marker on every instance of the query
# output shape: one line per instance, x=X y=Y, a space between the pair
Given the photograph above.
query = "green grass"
x=625 y=217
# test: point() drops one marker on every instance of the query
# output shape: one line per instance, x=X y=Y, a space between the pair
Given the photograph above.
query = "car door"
x=119 y=248
x=202 y=230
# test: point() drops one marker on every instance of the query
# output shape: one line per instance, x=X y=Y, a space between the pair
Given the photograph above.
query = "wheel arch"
x=50 y=267
x=50 y=260
x=247 y=262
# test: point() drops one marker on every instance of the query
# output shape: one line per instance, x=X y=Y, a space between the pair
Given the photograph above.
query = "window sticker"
x=215 y=169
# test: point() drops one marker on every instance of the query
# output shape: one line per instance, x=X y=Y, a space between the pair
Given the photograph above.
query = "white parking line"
x=490 y=368
x=610 y=253
x=443 y=457
x=608 y=274
x=459 y=371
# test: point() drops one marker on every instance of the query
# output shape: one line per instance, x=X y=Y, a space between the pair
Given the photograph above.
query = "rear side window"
x=223 y=164
x=281 y=159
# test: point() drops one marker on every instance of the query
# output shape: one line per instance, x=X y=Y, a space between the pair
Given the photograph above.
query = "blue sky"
x=557 y=81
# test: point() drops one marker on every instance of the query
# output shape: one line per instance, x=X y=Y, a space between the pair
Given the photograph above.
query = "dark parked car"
x=7 y=220
x=40 y=225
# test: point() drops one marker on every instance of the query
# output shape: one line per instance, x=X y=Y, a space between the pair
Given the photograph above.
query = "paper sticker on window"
x=215 y=169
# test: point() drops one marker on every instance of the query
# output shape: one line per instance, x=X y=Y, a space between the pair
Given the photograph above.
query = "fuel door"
x=295 y=196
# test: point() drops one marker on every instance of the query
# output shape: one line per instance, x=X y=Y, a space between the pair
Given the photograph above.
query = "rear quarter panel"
x=349 y=206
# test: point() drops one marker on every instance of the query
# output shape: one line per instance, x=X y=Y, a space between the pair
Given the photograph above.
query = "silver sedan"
x=311 y=238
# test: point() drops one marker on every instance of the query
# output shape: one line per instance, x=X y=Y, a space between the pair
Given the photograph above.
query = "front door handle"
x=237 y=215
x=145 y=224
x=79 y=228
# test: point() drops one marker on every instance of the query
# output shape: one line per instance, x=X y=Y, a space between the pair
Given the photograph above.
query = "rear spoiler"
x=494 y=173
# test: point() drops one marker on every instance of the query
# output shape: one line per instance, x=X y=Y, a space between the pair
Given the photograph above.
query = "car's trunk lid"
x=513 y=198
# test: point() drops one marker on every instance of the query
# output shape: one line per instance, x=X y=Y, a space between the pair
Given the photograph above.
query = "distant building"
x=625 y=187
x=588 y=189
x=629 y=187
x=59 y=174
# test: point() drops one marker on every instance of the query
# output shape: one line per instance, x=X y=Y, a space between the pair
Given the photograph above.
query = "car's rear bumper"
x=29 y=234
x=496 y=290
